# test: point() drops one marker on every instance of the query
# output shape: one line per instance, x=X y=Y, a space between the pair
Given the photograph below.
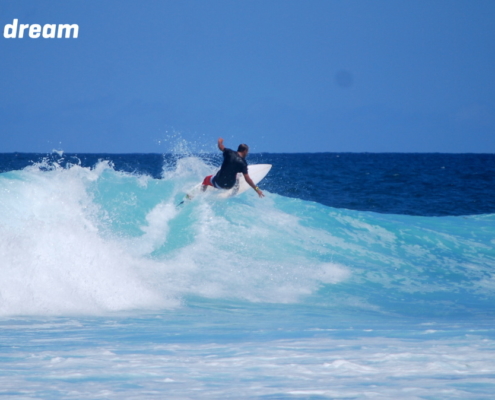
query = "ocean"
x=357 y=276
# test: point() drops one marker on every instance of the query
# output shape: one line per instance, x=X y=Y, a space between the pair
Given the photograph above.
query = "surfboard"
x=256 y=171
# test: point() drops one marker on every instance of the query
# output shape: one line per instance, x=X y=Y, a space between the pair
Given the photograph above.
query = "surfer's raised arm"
x=220 y=144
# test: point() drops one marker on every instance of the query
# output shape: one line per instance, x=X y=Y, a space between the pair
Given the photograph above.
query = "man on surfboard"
x=233 y=163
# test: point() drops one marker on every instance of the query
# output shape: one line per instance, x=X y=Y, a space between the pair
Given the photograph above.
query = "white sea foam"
x=83 y=240
x=115 y=360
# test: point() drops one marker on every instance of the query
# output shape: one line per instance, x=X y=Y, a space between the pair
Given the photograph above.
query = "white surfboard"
x=256 y=171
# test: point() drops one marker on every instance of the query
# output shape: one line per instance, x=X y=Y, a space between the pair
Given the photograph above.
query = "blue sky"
x=282 y=76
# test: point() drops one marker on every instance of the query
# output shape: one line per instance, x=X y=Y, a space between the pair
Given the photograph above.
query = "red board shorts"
x=207 y=181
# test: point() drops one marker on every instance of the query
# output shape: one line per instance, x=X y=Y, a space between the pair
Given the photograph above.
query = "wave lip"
x=94 y=240
x=79 y=240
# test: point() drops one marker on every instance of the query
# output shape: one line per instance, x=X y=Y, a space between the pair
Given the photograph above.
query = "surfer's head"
x=243 y=150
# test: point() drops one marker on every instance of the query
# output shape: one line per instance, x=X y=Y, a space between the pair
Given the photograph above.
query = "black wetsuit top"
x=231 y=166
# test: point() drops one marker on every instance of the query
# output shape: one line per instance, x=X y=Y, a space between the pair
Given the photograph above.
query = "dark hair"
x=242 y=148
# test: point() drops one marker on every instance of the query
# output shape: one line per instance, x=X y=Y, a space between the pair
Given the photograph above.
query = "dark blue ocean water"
x=393 y=183
x=357 y=276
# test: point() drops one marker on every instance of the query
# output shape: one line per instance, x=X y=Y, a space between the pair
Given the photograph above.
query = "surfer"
x=233 y=163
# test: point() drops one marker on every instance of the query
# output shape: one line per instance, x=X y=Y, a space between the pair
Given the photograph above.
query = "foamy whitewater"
x=108 y=289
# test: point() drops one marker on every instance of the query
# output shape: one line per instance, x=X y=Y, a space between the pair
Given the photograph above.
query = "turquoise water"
x=109 y=290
